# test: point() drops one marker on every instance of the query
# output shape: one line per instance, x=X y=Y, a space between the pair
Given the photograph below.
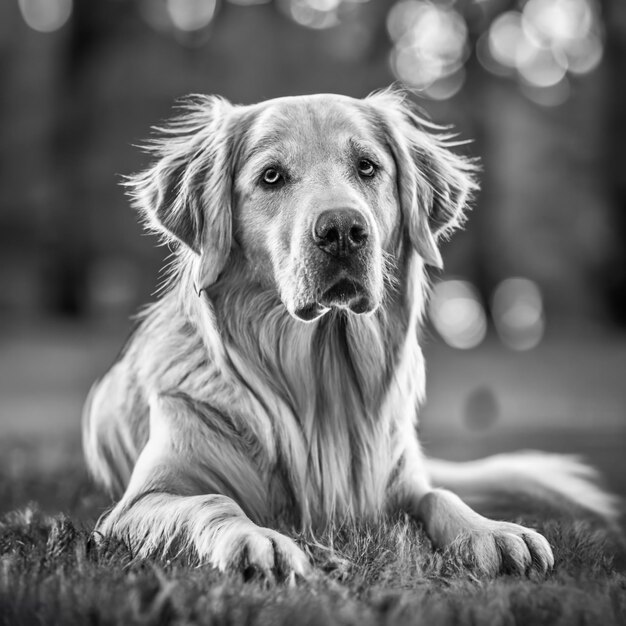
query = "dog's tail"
x=556 y=479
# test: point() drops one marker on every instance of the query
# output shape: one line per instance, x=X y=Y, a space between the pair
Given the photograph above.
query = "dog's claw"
x=265 y=553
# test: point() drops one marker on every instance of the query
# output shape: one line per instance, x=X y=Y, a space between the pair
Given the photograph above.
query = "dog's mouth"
x=343 y=294
x=346 y=293
x=310 y=312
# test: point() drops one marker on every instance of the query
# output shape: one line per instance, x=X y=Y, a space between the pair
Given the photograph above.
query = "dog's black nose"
x=340 y=232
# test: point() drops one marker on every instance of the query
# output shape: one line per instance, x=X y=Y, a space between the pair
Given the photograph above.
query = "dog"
x=279 y=375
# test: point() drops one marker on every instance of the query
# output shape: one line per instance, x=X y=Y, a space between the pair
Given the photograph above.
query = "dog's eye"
x=271 y=176
x=366 y=168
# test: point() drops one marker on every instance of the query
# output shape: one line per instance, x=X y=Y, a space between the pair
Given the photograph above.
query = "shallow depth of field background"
x=525 y=344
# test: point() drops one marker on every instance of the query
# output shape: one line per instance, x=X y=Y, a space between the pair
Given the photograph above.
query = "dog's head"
x=318 y=195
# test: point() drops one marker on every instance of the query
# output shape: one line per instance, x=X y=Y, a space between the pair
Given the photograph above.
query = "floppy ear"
x=435 y=184
x=185 y=195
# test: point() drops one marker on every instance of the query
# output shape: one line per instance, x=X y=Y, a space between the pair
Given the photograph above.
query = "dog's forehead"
x=321 y=120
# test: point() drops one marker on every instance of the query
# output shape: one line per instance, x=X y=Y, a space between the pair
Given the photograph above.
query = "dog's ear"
x=434 y=183
x=185 y=196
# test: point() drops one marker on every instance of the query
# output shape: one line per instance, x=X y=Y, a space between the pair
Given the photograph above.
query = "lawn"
x=566 y=396
x=52 y=571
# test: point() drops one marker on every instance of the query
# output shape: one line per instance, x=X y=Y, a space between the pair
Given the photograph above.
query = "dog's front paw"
x=485 y=546
x=254 y=550
x=502 y=547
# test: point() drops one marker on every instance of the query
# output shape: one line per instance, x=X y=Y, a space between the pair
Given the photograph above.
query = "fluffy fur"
x=273 y=381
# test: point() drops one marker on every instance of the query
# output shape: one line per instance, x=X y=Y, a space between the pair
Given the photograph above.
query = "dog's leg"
x=176 y=500
x=114 y=429
x=487 y=546
x=212 y=528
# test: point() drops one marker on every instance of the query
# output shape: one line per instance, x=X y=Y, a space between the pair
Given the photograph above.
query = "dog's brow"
x=261 y=151
x=264 y=143
x=365 y=148
x=262 y=158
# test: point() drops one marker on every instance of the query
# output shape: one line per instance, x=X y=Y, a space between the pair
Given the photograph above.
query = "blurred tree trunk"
x=477 y=260
x=70 y=245
x=69 y=239
x=615 y=22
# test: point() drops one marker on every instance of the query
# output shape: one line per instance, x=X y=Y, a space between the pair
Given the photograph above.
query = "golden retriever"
x=280 y=373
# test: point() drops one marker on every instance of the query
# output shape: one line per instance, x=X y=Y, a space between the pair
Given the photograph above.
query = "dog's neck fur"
x=331 y=378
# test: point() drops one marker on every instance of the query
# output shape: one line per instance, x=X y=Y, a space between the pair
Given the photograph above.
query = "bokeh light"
x=247 y=3
x=191 y=15
x=317 y=14
x=586 y=55
x=542 y=44
x=45 y=16
x=517 y=310
x=430 y=46
x=557 y=22
x=481 y=408
x=457 y=314
x=540 y=67
x=156 y=15
x=554 y=96
x=505 y=38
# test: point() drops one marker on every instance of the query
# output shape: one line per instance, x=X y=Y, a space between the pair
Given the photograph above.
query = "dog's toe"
x=268 y=554
x=540 y=551
x=477 y=552
x=515 y=556
x=289 y=560
x=258 y=555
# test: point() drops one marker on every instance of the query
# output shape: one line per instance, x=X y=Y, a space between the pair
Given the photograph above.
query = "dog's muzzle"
x=339 y=260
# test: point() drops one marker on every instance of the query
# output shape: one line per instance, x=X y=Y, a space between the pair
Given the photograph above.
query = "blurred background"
x=526 y=344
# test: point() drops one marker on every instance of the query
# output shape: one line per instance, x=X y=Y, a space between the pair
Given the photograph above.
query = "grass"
x=53 y=572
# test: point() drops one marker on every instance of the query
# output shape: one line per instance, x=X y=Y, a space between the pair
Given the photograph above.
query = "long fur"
x=224 y=413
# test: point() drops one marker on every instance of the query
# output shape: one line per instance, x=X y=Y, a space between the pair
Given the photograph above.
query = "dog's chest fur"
x=325 y=411
x=326 y=402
